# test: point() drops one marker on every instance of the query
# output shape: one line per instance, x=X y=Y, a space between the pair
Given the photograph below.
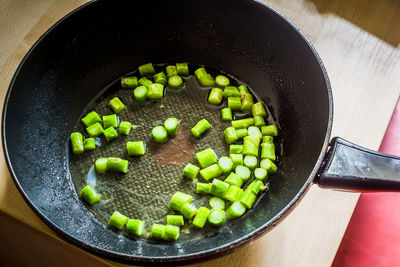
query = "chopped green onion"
x=95 y=130
x=258 y=110
x=243 y=172
x=268 y=165
x=234 y=102
x=146 y=69
x=175 y=220
x=182 y=69
x=254 y=131
x=117 y=220
x=200 y=128
x=225 y=164
x=237 y=159
x=110 y=134
x=248 y=199
x=255 y=186
x=140 y=94
x=243 y=89
x=206 y=157
x=218 y=188
x=234 y=179
x=203 y=77
x=117 y=165
x=203 y=188
x=200 y=72
x=116 y=105
x=135 y=227
x=89 y=144
x=175 y=81
x=222 y=80
x=188 y=211
x=242 y=123
x=124 y=127
x=172 y=126
x=129 y=82
x=268 y=139
x=268 y=151
x=91 y=118
x=101 y=165
x=178 y=200
x=259 y=121
x=233 y=194
x=201 y=217
x=145 y=82
x=155 y=91
x=171 y=233
x=250 y=162
x=215 y=96
x=136 y=148
x=230 y=135
x=235 y=149
x=160 y=134
x=171 y=71
x=250 y=146
x=216 y=202
x=110 y=121
x=231 y=91
x=226 y=114
x=235 y=210
x=157 y=231
x=247 y=102
x=77 y=143
x=89 y=195
x=190 y=171
x=241 y=133
x=260 y=173
x=160 y=78
x=216 y=217
x=270 y=130
x=210 y=172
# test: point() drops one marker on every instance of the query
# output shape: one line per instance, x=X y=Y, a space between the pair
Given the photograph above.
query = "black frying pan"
x=103 y=40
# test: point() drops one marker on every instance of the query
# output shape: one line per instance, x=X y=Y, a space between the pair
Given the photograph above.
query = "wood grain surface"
x=359 y=43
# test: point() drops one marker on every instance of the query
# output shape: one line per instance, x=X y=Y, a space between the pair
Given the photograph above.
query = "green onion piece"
x=129 y=82
x=268 y=139
x=225 y=164
x=145 y=82
x=241 y=133
x=260 y=173
x=233 y=194
x=201 y=217
x=254 y=131
x=247 y=102
x=206 y=80
x=160 y=134
x=146 y=69
x=117 y=165
x=248 y=199
x=110 y=134
x=253 y=139
x=230 y=91
x=250 y=162
x=243 y=89
x=175 y=81
x=243 y=123
x=222 y=80
x=259 y=121
x=215 y=96
x=178 y=200
x=91 y=118
x=125 y=127
x=270 y=130
x=216 y=217
x=255 y=186
x=206 y=157
x=171 y=125
x=226 y=114
x=89 y=144
x=230 y=135
x=171 y=233
x=95 y=130
x=258 y=110
x=140 y=94
x=171 y=71
x=135 y=227
x=155 y=91
x=210 y=172
x=203 y=188
x=160 y=78
x=89 y=195
x=268 y=165
x=116 y=105
x=175 y=220
x=101 y=165
x=117 y=220
x=216 y=203
x=235 y=149
x=190 y=171
x=234 y=179
x=110 y=121
x=250 y=147
x=188 y=211
x=136 y=148
x=268 y=151
x=243 y=172
x=157 y=231
x=237 y=159
x=200 y=72
x=182 y=69
x=77 y=143
x=218 y=188
x=200 y=128
x=235 y=210
x=234 y=102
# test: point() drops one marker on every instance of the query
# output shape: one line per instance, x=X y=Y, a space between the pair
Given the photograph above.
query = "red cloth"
x=372 y=237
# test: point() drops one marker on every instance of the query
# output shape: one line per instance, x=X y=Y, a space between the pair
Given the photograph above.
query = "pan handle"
x=350 y=167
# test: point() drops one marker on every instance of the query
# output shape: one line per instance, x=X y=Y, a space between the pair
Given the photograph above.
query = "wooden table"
x=358 y=42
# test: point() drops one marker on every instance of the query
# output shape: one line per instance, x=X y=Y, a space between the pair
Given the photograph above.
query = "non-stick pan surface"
x=104 y=40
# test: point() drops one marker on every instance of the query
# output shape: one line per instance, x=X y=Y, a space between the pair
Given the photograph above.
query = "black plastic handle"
x=351 y=167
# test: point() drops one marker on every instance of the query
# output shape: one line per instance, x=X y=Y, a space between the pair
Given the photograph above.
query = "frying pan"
x=103 y=40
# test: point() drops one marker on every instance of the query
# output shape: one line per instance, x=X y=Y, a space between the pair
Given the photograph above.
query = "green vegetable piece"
x=172 y=126
x=259 y=121
x=237 y=159
x=215 y=96
x=190 y=171
x=175 y=220
x=175 y=81
x=90 y=118
x=136 y=148
x=157 y=231
x=268 y=139
x=140 y=94
x=268 y=165
x=225 y=164
x=171 y=71
x=145 y=82
x=234 y=103
x=206 y=157
x=235 y=149
x=200 y=128
x=250 y=146
x=254 y=131
x=218 y=188
x=222 y=80
x=200 y=72
x=241 y=133
x=258 y=110
x=146 y=69
x=178 y=200
x=160 y=78
x=230 y=135
x=116 y=105
x=117 y=220
x=210 y=172
x=188 y=211
x=230 y=91
x=110 y=134
x=216 y=217
x=95 y=130
x=206 y=80
x=242 y=123
x=234 y=179
x=255 y=186
x=235 y=210
x=250 y=162
x=203 y=188
x=171 y=233
x=233 y=194
x=117 y=165
x=135 y=227
x=110 y=121
x=89 y=144
x=101 y=165
x=243 y=89
x=268 y=151
x=226 y=114
x=247 y=199
x=247 y=102
x=160 y=134
x=201 y=217
x=243 y=172
x=129 y=82
x=155 y=91
x=125 y=127
x=182 y=69
x=77 y=143
x=216 y=203
x=253 y=139
x=261 y=174
x=270 y=130
x=89 y=195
